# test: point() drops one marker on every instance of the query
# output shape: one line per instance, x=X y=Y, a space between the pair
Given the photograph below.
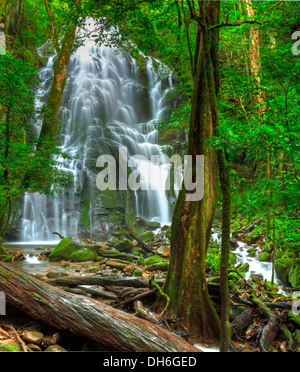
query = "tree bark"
x=85 y=317
x=60 y=75
x=192 y=220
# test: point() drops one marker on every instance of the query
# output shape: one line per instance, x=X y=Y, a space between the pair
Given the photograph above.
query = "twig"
x=19 y=338
x=5 y=333
x=152 y=281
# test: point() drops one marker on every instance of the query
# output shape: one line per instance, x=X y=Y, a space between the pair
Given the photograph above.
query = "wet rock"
x=288 y=271
x=164 y=251
x=33 y=337
x=34 y=347
x=55 y=274
x=264 y=257
x=55 y=348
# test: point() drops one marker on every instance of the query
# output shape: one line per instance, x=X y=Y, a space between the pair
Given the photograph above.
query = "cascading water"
x=105 y=105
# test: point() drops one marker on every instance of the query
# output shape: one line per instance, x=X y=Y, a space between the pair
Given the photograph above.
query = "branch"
x=53 y=29
x=236 y=24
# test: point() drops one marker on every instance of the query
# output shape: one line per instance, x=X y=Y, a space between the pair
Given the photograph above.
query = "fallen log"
x=86 y=317
x=271 y=305
x=73 y=281
x=270 y=331
x=252 y=226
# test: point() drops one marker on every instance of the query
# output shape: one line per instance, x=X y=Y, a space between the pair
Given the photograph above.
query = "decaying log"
x=143 y=313
x=73 y=281
x=270 y=331
x=86 y=317
x=271 y=305
x=252 y=226
x=243 y=320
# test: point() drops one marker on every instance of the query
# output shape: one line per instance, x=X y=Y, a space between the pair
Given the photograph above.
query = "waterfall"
x=107 y=103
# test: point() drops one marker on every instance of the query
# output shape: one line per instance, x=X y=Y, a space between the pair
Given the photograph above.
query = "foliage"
x=22 y=167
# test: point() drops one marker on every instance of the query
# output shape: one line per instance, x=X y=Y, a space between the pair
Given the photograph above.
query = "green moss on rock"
x=83 y=255
x=146 y=236
x=264 y=257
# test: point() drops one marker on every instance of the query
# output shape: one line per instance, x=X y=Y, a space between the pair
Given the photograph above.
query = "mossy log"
x=73 y=281
x=86 y=317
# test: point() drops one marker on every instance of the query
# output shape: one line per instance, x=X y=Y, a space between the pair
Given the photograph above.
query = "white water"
x=256 y=267
x=101 y=105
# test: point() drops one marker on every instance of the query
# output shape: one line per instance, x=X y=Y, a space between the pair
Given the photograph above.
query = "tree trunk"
x=60 y=75
x=192 y=220
x=225 y=250
x=85 y=317
x=57 y=88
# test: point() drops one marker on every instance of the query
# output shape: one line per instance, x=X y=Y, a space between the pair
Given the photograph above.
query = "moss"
x=124 y=245
x=9 y=346
x=159 y=266
x=137 y=273
x=153 y=260
x=146 y=236
x=264 y=257
x=85 y=217
x=65 y=249
x=282 y=268
x=82 y=255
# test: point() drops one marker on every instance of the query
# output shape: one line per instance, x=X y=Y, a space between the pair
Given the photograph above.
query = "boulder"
x=264 y=257
x=124 y=245
x=146 y=236
x=55 y=348
x=82 y=255
x=33 y=337
x=288 y=271
x=282 y=268
x=66 y=248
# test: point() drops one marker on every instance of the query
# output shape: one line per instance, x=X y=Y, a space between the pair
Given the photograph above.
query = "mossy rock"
x=288 y=271
x=146 y=236
x=65 y=248
x=252 y=252
x=294 y=273
x=115 y=254
x=137 y=273
x=153 y=260
x=264 y=257
x=82 y=255
x=232 y=259
x=244 y=268
x=282 y=268
x=158 y=266
x=124 y=245
x=152 y=225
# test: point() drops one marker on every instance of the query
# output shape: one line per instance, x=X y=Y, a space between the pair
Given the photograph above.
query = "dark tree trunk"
x=192 y=221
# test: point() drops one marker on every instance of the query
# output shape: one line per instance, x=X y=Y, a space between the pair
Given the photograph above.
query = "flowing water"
x=105 y=104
